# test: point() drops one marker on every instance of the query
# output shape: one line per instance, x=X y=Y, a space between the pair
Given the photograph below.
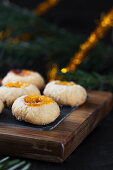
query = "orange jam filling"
x=23 y=72
x=37 y=100
x=65 y=83
x=17 y=85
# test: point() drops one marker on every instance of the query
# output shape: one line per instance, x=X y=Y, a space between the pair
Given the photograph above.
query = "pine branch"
x=9 y=164
x=49 y=43
x=91 y=81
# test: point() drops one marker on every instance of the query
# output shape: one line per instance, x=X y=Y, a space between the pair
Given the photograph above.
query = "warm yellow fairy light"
x=64 y=70
x=105 y=24
x=44 y=6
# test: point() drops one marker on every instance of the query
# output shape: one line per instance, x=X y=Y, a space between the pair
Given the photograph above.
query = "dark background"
x=78 y=16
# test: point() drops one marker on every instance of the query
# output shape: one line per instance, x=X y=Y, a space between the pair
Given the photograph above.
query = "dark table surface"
x=94 y=153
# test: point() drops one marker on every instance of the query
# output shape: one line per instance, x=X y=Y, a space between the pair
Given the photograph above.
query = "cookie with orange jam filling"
x=36 y=109
x=26 y=76
x=11 y=91
x=66 y=93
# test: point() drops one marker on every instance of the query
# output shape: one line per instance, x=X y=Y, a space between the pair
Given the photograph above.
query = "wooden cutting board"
x=58 y=144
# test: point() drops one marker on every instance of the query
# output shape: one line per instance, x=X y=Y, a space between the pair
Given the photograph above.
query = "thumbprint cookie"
x=35 y=109
x=11 y=91
x=66 y=93
x=26 y=76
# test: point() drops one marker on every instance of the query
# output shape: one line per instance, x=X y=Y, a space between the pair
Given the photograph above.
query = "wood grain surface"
x=58 y=144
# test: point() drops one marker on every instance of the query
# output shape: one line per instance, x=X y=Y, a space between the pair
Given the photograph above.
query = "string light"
x=105 y=24
x=63 y=70
x=44 y=6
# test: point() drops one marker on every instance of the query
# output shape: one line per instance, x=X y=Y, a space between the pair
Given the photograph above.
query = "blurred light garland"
x=51 y=74
x=105 y=24
x=44 y=6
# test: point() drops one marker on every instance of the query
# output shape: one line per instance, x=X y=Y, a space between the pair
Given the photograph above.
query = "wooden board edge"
x=85 y=129
x=24 y=150
x=66 y=148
